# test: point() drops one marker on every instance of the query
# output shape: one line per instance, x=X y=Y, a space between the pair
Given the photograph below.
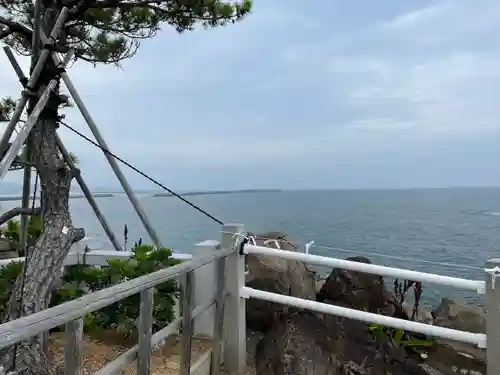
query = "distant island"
x=78 y=195
x=7 y=198
x=219 y=192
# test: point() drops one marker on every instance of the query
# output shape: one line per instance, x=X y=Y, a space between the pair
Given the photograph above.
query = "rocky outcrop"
x=457 y=315
x=296 y=344
x=360 y=291
x=276 y=275
x=302 y=342
x=451 y=357
x=422 y=315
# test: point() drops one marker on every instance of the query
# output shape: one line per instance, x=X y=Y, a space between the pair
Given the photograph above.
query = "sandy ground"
x=99 y=351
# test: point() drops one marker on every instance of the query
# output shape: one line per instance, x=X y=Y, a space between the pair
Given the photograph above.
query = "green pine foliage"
x=108 y=31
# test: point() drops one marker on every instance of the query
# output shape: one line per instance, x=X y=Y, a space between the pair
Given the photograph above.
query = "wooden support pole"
x=104 y=147
x=219 y=317
x=88 y=195
x=73 y=351
x=187 y=323
x=21 y=104
x=67 y=158
x=25 y=204
x=145 y=331
x=14 y=149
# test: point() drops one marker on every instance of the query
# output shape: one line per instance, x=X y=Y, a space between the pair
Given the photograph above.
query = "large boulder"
x=303 y=343
x=360 y=291
x=451 y=357
x=296 y=344
x=457 y=315
x=422 y=315
x=276 y=275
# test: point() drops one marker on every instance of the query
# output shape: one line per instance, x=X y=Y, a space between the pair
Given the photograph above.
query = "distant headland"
x=78 y=195
x=7 y=198
x=219 y=192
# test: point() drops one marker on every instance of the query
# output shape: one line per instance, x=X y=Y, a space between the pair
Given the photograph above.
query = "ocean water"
x=446 y=231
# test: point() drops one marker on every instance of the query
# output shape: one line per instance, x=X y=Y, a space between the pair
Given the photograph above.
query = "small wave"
x=492 y=213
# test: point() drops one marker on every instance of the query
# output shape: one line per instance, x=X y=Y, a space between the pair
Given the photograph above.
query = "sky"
x=341 y=94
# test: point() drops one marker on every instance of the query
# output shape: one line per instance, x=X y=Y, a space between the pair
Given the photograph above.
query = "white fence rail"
x=446 y=333
x=234 y=327
x=490 y=340
x=427 y=329
x=475 y=285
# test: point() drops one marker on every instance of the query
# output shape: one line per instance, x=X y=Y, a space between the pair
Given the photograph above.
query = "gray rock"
x=360 y=291
x=301 y=342
x=422 y=316
x=457 y=315
x=276 y=275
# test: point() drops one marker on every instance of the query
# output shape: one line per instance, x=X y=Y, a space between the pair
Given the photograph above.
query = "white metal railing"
x=240 y=292
x=475 y=285
x=234 y=326
x=427 y=329
x=407 y=325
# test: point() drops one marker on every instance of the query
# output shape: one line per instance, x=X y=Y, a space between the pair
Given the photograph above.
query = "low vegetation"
x=81 y=279
x=400 y=338
x=10 y=231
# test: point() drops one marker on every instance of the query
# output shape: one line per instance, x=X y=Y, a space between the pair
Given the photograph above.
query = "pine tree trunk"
x=33 y=289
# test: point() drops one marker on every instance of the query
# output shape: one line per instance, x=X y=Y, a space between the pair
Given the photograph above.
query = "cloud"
x=326 y=91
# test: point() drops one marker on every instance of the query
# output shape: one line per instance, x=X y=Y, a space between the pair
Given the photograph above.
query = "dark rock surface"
x=360 y=291
x=458 y=315
x=302 y=342
x=447 y=355
x=276 y=275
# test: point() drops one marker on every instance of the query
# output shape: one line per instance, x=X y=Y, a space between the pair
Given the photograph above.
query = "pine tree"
x=99 y=32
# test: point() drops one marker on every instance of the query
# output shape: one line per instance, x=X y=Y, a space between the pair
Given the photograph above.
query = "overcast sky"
x=344 y=94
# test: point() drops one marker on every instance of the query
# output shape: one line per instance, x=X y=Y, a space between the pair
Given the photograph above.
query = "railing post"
x=145 y=331
x=234 y=312
x=205 y=289
x=187 y=323
x=492 y=317
x=218 y=335
x=73 y=351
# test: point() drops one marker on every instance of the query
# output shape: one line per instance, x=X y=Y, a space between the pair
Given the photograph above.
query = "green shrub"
x=399 y=338
x=11 y=230
x=8 y=276
x=79 y=280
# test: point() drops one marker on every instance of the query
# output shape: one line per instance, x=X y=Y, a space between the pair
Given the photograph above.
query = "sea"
x=444 y=231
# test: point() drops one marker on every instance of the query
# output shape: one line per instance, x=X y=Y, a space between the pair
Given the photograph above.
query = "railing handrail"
x=31 y=325
x=460 y=283
x=367 y=317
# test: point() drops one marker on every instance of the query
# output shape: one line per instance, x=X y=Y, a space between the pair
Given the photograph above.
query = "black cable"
x=142 y=173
